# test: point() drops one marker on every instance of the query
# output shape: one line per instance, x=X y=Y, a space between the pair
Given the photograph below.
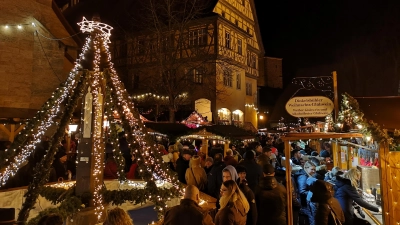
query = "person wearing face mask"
x=303 y=190
x=346 y=192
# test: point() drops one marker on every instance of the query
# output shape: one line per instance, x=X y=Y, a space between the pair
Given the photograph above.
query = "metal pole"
x=288 y=183
x=335 y=92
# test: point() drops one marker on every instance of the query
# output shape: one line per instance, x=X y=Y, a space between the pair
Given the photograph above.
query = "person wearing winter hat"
x=271 y=198
x=254 y=170
x=182 y=164
x=208 y=164
x=303 y=152
x=241 y=171
x=325 y=154
x=314 y=153
x=61 y=166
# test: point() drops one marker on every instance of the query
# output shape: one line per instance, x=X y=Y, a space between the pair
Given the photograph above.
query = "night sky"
x=358 y=39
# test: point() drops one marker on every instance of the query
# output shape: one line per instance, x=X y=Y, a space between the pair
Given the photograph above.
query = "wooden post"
x=226 y=147
x=205 y=146
x=87 y=157
x=288 y=183
x=335 y=92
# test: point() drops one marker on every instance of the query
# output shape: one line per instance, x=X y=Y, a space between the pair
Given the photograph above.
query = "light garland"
x=45 y=119
x=146 y=95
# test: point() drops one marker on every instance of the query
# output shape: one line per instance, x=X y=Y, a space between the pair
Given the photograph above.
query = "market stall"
x=290 y=137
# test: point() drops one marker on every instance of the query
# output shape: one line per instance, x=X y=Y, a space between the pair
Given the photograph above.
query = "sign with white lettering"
x=309 y=106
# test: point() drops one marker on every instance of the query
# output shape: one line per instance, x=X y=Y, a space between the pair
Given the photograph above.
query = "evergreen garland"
x=118 y=157
x=42 y=169
x=148 y=154
x=351 y=117
x=31 y=126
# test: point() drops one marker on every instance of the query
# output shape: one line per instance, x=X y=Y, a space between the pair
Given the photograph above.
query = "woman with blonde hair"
x=195 y=174
x=346 y=192
x=117 y=216
x=234 y=205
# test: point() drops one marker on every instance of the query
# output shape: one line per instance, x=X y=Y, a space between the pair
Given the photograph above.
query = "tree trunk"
x=172 y=115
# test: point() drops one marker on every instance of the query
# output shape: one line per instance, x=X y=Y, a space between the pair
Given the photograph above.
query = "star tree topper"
x=88 y=26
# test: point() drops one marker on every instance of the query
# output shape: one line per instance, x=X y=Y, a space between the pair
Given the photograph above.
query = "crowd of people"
x=250 y=184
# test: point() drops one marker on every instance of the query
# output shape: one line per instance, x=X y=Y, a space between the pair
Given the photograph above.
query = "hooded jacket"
x=346 y=194
x=231 y=214
x=271 y=201
x=232 y=171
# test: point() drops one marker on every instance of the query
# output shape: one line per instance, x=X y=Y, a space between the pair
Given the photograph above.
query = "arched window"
x=203 y=107
x=224 y=116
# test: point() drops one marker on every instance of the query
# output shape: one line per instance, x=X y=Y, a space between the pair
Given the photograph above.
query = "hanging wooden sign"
x=309 y=106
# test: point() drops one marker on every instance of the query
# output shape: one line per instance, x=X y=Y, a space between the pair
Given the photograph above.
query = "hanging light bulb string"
x=42 y=170
x=40 y=123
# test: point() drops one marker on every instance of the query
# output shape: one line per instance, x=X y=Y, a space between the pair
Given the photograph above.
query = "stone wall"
x=31 y=66
x=32 y=63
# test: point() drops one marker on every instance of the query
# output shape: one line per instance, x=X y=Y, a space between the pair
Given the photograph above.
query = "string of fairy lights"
x=58 y=96
x=97 y=150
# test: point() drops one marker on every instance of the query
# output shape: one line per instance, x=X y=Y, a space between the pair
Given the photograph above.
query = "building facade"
x=33 y=62
x=212 y=61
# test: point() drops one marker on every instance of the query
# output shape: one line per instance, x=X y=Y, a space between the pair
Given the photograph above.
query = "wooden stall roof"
x=384 y=111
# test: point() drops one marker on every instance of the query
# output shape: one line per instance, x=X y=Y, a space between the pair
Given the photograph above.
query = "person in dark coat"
x=346 y=192
x=323 y=195
x=296 y=156
x=229 y=159
x=214 y=177
x=208 y=165
x=265 y=157
x=242 y=183
x=182 y=164
x=270 y=199
x=188 y=211
x=254 y=171
x=61 y=166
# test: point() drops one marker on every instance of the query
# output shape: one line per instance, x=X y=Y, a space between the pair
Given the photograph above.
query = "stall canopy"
x=179 y=129
x=384 y=111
